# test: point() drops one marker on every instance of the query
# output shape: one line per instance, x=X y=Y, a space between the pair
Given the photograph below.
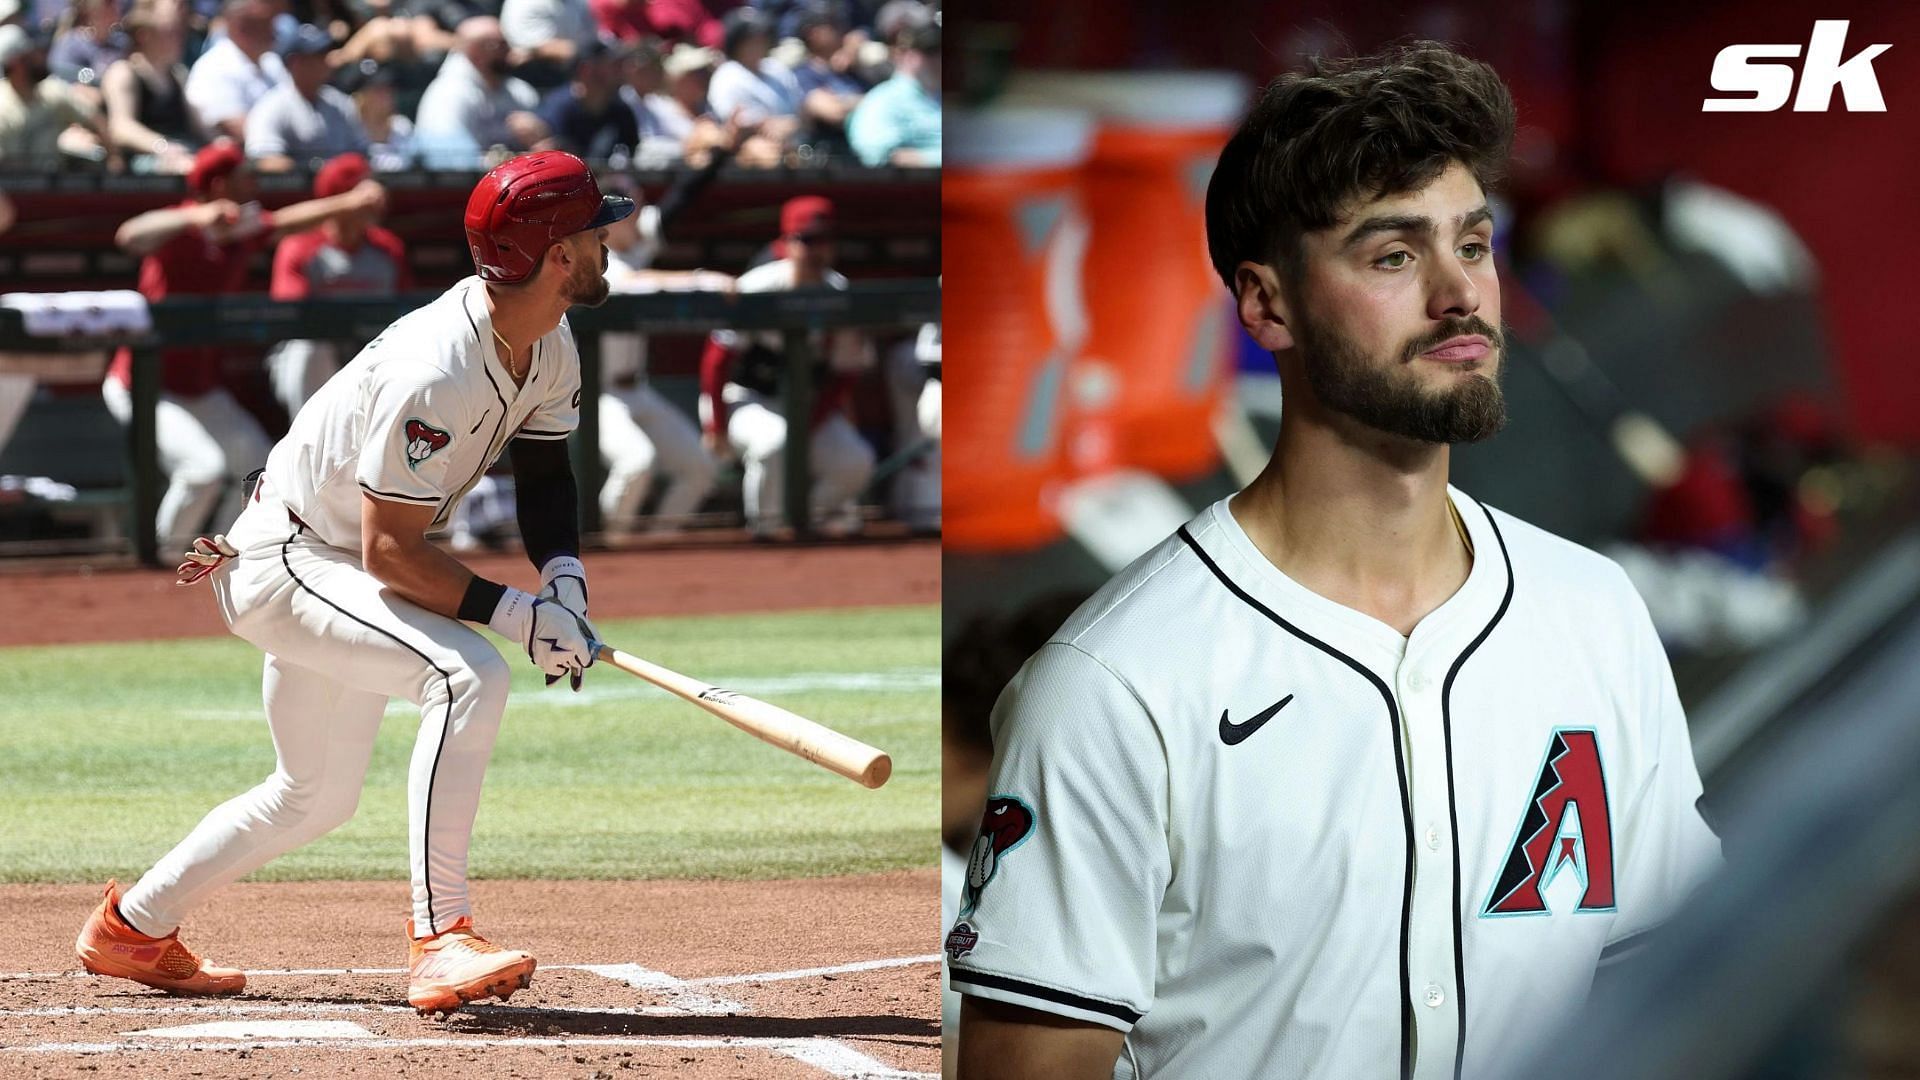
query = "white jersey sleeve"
x=1667 y=847
x=1064 y=883
x=411 y=424
x=559 y=410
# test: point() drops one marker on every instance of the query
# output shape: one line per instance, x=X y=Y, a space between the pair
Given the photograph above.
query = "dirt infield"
x=824 y=977
x=130 y=605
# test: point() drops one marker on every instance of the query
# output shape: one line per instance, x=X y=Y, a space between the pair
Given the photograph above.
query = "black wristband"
x=482 y=598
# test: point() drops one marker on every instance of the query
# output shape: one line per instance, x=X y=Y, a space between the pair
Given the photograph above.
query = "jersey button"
x=1435 y=996
x=1433 y=838
x=1417 y=683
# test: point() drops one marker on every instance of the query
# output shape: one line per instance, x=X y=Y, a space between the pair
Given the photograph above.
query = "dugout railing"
x=258 y=320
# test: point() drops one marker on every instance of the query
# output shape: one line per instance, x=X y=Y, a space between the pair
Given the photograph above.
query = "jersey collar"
x=473 y=299
x=1445 y=629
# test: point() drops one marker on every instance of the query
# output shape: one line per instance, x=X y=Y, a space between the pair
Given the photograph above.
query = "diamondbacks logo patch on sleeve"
x=423 y=441
x=1566 y=826
x=1006 y=825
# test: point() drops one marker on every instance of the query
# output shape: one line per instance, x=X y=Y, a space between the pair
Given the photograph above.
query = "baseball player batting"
x=1353 y=776
x=329 y=572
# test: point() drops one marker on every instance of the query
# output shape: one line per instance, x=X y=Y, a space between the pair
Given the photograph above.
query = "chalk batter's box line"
x=704 y=980
x=828 y=1055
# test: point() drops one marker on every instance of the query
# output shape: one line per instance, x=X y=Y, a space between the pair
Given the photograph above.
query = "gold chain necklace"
x=509 y=348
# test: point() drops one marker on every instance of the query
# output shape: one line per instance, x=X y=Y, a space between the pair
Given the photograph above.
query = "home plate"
x=261 y=1029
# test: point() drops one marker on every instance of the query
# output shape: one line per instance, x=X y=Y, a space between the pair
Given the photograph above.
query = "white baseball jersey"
x=1265 y=835
x=419 y=415
x=623 y=353
x=778 y=276
x=416 y=417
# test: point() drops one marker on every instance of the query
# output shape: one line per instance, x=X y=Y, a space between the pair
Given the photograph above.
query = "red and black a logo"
x=1566 y=826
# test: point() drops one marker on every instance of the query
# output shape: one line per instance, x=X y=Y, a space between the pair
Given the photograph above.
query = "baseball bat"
x=772 y=724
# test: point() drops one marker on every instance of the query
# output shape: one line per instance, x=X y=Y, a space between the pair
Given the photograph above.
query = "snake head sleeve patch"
x=423 y=441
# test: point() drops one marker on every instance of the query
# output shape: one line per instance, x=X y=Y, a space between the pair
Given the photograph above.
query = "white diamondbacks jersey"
x=419 y=415
x=775 y=276
x=1265 y=835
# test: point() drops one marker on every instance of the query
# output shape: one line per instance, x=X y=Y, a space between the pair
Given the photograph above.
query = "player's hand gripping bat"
x=823 y=746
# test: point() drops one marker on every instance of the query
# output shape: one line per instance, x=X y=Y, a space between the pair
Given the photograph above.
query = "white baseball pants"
x=206 y=444
x=299 y=368
x=841 y=460
x=338 y=645
x=642 y=435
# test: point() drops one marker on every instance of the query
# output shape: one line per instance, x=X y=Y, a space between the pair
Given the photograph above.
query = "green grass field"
x=110 y=753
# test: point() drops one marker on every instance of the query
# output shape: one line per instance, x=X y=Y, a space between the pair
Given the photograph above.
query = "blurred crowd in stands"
x=140 y=85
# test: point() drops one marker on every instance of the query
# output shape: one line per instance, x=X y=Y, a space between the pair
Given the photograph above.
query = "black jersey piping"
x=399 y=497
x=1453 y=811
x=1629 y=945
x=485 y=351
x=963 y=977
x=446 y=721
x=1400 y=774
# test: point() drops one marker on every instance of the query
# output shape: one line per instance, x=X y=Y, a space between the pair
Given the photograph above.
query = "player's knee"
x=200 y=473
x=295 y=805
x=326 y=808
x=851 y=461
x=486 y=679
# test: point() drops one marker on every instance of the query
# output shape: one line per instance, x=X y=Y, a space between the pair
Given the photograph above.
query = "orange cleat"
x=108 y=946
x=457 y=966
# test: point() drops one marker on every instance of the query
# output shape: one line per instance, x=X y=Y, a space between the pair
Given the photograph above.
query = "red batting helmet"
x=528 y=203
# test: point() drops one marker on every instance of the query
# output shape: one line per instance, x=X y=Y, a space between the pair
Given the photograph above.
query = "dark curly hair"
x=1359 y=127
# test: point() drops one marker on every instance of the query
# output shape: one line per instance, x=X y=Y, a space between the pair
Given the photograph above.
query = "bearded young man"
x=1354 y=776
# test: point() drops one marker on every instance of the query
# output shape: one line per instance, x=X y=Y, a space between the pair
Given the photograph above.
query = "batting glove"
x=203 y=558
x=564 y=581
x=557 y=641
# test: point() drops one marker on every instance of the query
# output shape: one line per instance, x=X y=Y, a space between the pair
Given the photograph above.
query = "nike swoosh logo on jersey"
x=1235 y=734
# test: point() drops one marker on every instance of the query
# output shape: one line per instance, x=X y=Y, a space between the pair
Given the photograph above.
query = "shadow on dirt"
x=516 y=1021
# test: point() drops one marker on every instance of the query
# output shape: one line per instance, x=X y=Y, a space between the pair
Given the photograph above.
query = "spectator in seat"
x=406 y=31
x=685 y=114
x=548 y=33
x=89 y=41
x=671 y=22
x=646 y=81
x=829 y=91
x=898 y=122
x=146 y=97
x=347 y=255
x=389 y=134
x=753 y=88
x=587 y=116
x=203 y=247
x=40 y=115
x=473 y=104
x=671 y=106
x=303 y=119
x=236 y=71
x=741 y=376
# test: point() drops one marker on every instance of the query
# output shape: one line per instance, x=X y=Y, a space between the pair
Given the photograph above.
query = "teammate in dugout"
x=203 y=246
x=329 y=572
x=1354 y=775
x=743 y=374
x=350 y=255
